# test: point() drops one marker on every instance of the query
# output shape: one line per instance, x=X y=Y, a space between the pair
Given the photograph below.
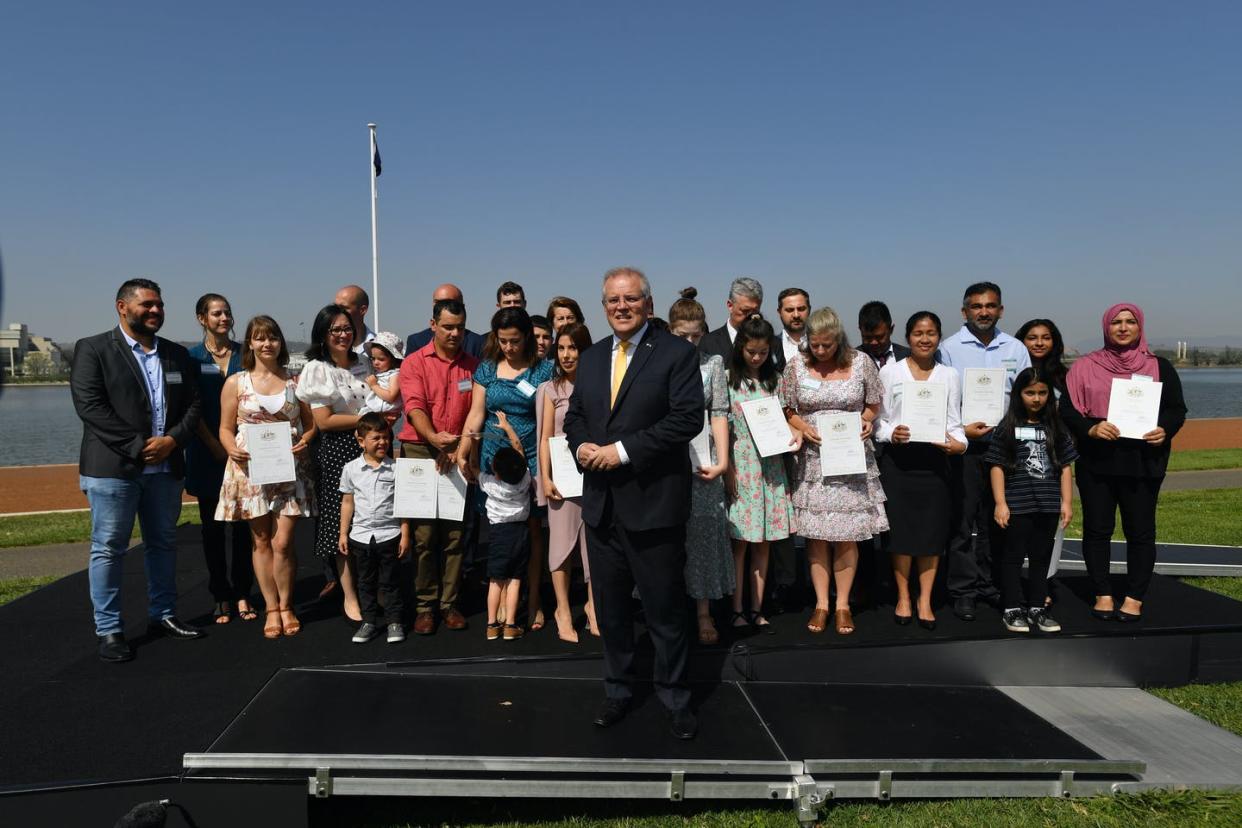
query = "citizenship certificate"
x=1134 y=406
x=983 y=396
x=417 y=488
x=701 y=446
x=925 y=411
x=565 y=472
x=451 y=495
x=842 y=450
x=766 y=420
x=271 y=453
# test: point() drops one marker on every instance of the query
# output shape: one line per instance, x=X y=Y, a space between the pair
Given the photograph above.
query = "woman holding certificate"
x=566 y=531
x=333 y=384
x=506 y=380
x=263 y=395
x=831 y=398
x=709 y=560
x=920 y=419
x=759 y=508
x=1124 y=407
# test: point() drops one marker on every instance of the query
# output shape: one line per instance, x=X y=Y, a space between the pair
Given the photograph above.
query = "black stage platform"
x=69 y=719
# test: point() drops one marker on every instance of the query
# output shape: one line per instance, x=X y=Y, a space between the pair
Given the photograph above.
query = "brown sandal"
x=295 y=626
x=818 y=621
x=270 y=631
x=844 y=622
x=707 y=631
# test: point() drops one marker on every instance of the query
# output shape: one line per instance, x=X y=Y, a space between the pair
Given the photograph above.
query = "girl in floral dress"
x=264 y=393
x=759 y=507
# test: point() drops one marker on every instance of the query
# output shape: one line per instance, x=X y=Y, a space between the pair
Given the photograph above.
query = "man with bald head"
x=472 y=343
x=356 y=303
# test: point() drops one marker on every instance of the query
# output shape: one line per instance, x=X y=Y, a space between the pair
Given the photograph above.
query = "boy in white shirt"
x=507 y=486
x=369 y=532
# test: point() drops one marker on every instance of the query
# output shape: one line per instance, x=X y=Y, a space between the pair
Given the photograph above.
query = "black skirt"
x=915 y=477
x=333 y=449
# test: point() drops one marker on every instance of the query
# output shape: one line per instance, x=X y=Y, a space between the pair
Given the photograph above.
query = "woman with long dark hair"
x=1046 y=346
x=333 y=384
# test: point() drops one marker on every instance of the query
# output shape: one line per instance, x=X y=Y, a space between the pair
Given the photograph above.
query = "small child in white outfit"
x=383 y=392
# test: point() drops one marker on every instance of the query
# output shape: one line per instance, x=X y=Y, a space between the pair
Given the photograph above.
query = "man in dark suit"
x=875 y=331
x=637 y=403
x=745 y=298
x=137 y=396
x=472 y=343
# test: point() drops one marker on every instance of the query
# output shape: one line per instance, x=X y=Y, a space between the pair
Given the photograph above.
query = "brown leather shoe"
x=453 y=619
x=425 y=623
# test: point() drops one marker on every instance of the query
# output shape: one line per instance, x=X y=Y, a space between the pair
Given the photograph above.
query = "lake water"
x=38 y=425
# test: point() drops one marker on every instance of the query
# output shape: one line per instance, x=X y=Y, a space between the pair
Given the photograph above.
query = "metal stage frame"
x=1180 y=559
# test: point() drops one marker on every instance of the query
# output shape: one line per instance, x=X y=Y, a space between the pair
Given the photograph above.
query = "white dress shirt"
x=791 y=346
x=634 y=339
x=893 y=378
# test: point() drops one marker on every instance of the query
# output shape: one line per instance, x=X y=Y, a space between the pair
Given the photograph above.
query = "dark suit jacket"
x=472 y=343
x=900 y=352
x=659 y=410
x=110 y=395
x=717 y=342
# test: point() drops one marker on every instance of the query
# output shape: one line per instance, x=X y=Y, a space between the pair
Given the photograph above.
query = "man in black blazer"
x=637 y=403
x=137 y=396
x=875 y=331
x=471 y=342
x=745 y=298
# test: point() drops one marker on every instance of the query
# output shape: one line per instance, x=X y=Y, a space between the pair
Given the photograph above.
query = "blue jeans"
x=155 y=499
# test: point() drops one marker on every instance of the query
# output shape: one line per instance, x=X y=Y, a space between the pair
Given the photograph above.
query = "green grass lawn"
x=1205 y=459
x=1207 y=516
x=62 y=527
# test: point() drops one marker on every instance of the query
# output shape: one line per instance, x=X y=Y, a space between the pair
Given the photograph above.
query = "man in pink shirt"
x=436 y=386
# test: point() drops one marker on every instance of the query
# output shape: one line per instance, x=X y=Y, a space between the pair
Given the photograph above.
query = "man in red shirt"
x=436 y=386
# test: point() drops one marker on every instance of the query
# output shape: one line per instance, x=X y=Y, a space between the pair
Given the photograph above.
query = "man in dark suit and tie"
x=745 y=298
x=137 y=396
x=875 y=331
x=637 y=403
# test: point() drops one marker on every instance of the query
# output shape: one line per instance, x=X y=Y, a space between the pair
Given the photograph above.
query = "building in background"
x=27 y=354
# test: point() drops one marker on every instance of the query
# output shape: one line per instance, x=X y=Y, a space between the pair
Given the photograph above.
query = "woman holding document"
x=920 y=419
x=757 y=487
x=263 y=395
x=1124 y=407
x=709 y=561
x=566 y=529
x=831 y=398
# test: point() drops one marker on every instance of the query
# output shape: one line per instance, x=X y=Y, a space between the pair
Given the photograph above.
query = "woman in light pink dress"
x=565 y=527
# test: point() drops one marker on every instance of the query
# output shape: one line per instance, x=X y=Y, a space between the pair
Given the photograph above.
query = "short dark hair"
x=795 y=291
x=453 y=306
x=981 y=287
x=372 y=421
x=509 y=465
x=873 y=314
x=510 y=288
x=919 y=316
x=131 y=286
x=538 y=321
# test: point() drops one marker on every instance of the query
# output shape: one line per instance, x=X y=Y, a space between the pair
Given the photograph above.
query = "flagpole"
x=374 y=237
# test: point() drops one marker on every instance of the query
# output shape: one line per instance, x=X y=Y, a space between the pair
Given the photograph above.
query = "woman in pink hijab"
x=1118 y=472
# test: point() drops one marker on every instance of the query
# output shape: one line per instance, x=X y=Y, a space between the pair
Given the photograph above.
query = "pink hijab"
x=1090 y=378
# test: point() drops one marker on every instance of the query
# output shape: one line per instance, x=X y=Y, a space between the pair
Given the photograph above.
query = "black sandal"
x=766 y=627
x=739 y=616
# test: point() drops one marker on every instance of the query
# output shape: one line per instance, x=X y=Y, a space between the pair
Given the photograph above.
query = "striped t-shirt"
x=1034 y=482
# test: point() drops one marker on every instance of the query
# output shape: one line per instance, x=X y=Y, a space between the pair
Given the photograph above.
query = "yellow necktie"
x=618 y=369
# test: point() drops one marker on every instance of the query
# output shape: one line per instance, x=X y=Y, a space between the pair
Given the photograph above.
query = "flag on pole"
x=376 y=160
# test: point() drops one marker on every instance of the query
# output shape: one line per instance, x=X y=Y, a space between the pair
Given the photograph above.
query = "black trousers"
x=376 y=565
x=655 y=560
x=1029 y=536
x=214 y=533
x=1102 y=495
x=973 y=572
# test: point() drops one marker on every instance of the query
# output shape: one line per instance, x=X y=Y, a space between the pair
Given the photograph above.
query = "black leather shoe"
x=611 y=712
x=1127 y=617
x=964 y=608
x=112 y=648
x=683 y=724
x=174 y=628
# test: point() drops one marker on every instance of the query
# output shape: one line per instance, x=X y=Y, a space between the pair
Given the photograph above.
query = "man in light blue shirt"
x=979 y=344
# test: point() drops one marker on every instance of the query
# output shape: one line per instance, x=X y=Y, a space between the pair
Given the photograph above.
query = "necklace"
x=220 y=354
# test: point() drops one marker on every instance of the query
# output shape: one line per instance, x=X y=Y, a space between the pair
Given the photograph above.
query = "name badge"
x=1026 y=433
x=526 y=388
x=810 y=384
x=1141 y=378
x=463 y=385
x=210 y=368
x=1011 y=365
x=173 y=378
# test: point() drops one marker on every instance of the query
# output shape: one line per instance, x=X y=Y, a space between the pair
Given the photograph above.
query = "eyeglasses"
x=341 y=331
x=632 y=301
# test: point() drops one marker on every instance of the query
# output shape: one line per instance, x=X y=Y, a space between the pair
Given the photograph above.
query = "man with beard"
x=979 y=344
x=137 y=396
x=794 y=306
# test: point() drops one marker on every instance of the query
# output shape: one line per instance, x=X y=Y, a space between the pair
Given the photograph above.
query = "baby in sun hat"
x=383 y=393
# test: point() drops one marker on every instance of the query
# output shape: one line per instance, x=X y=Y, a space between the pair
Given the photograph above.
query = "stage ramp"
x=444 y=735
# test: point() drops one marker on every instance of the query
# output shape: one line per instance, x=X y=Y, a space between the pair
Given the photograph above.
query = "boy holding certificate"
x=369 y=532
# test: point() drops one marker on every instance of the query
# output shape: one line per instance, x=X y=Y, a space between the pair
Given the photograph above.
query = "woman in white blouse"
x=332 y=383
x=915 y=475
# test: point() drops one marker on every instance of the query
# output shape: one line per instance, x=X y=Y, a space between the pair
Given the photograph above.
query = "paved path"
x=58 y=559
x=1210 y=479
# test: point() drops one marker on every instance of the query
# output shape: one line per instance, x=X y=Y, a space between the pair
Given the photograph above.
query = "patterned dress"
x=507 y=395
x=242 y=500
x=846 y=507
x=709 y=559
x=762 y=511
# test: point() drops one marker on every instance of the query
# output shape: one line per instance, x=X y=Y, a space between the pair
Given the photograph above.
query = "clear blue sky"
x=1077 y=153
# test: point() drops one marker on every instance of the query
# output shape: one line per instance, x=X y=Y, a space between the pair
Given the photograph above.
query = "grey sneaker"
x=1041 y=620
x=396 y=633
x=365 y=633
x=1015 y=621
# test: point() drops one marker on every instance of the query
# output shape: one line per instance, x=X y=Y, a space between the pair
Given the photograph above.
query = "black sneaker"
x=1039 y=619
x=1015 y=621
x=365 y=633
